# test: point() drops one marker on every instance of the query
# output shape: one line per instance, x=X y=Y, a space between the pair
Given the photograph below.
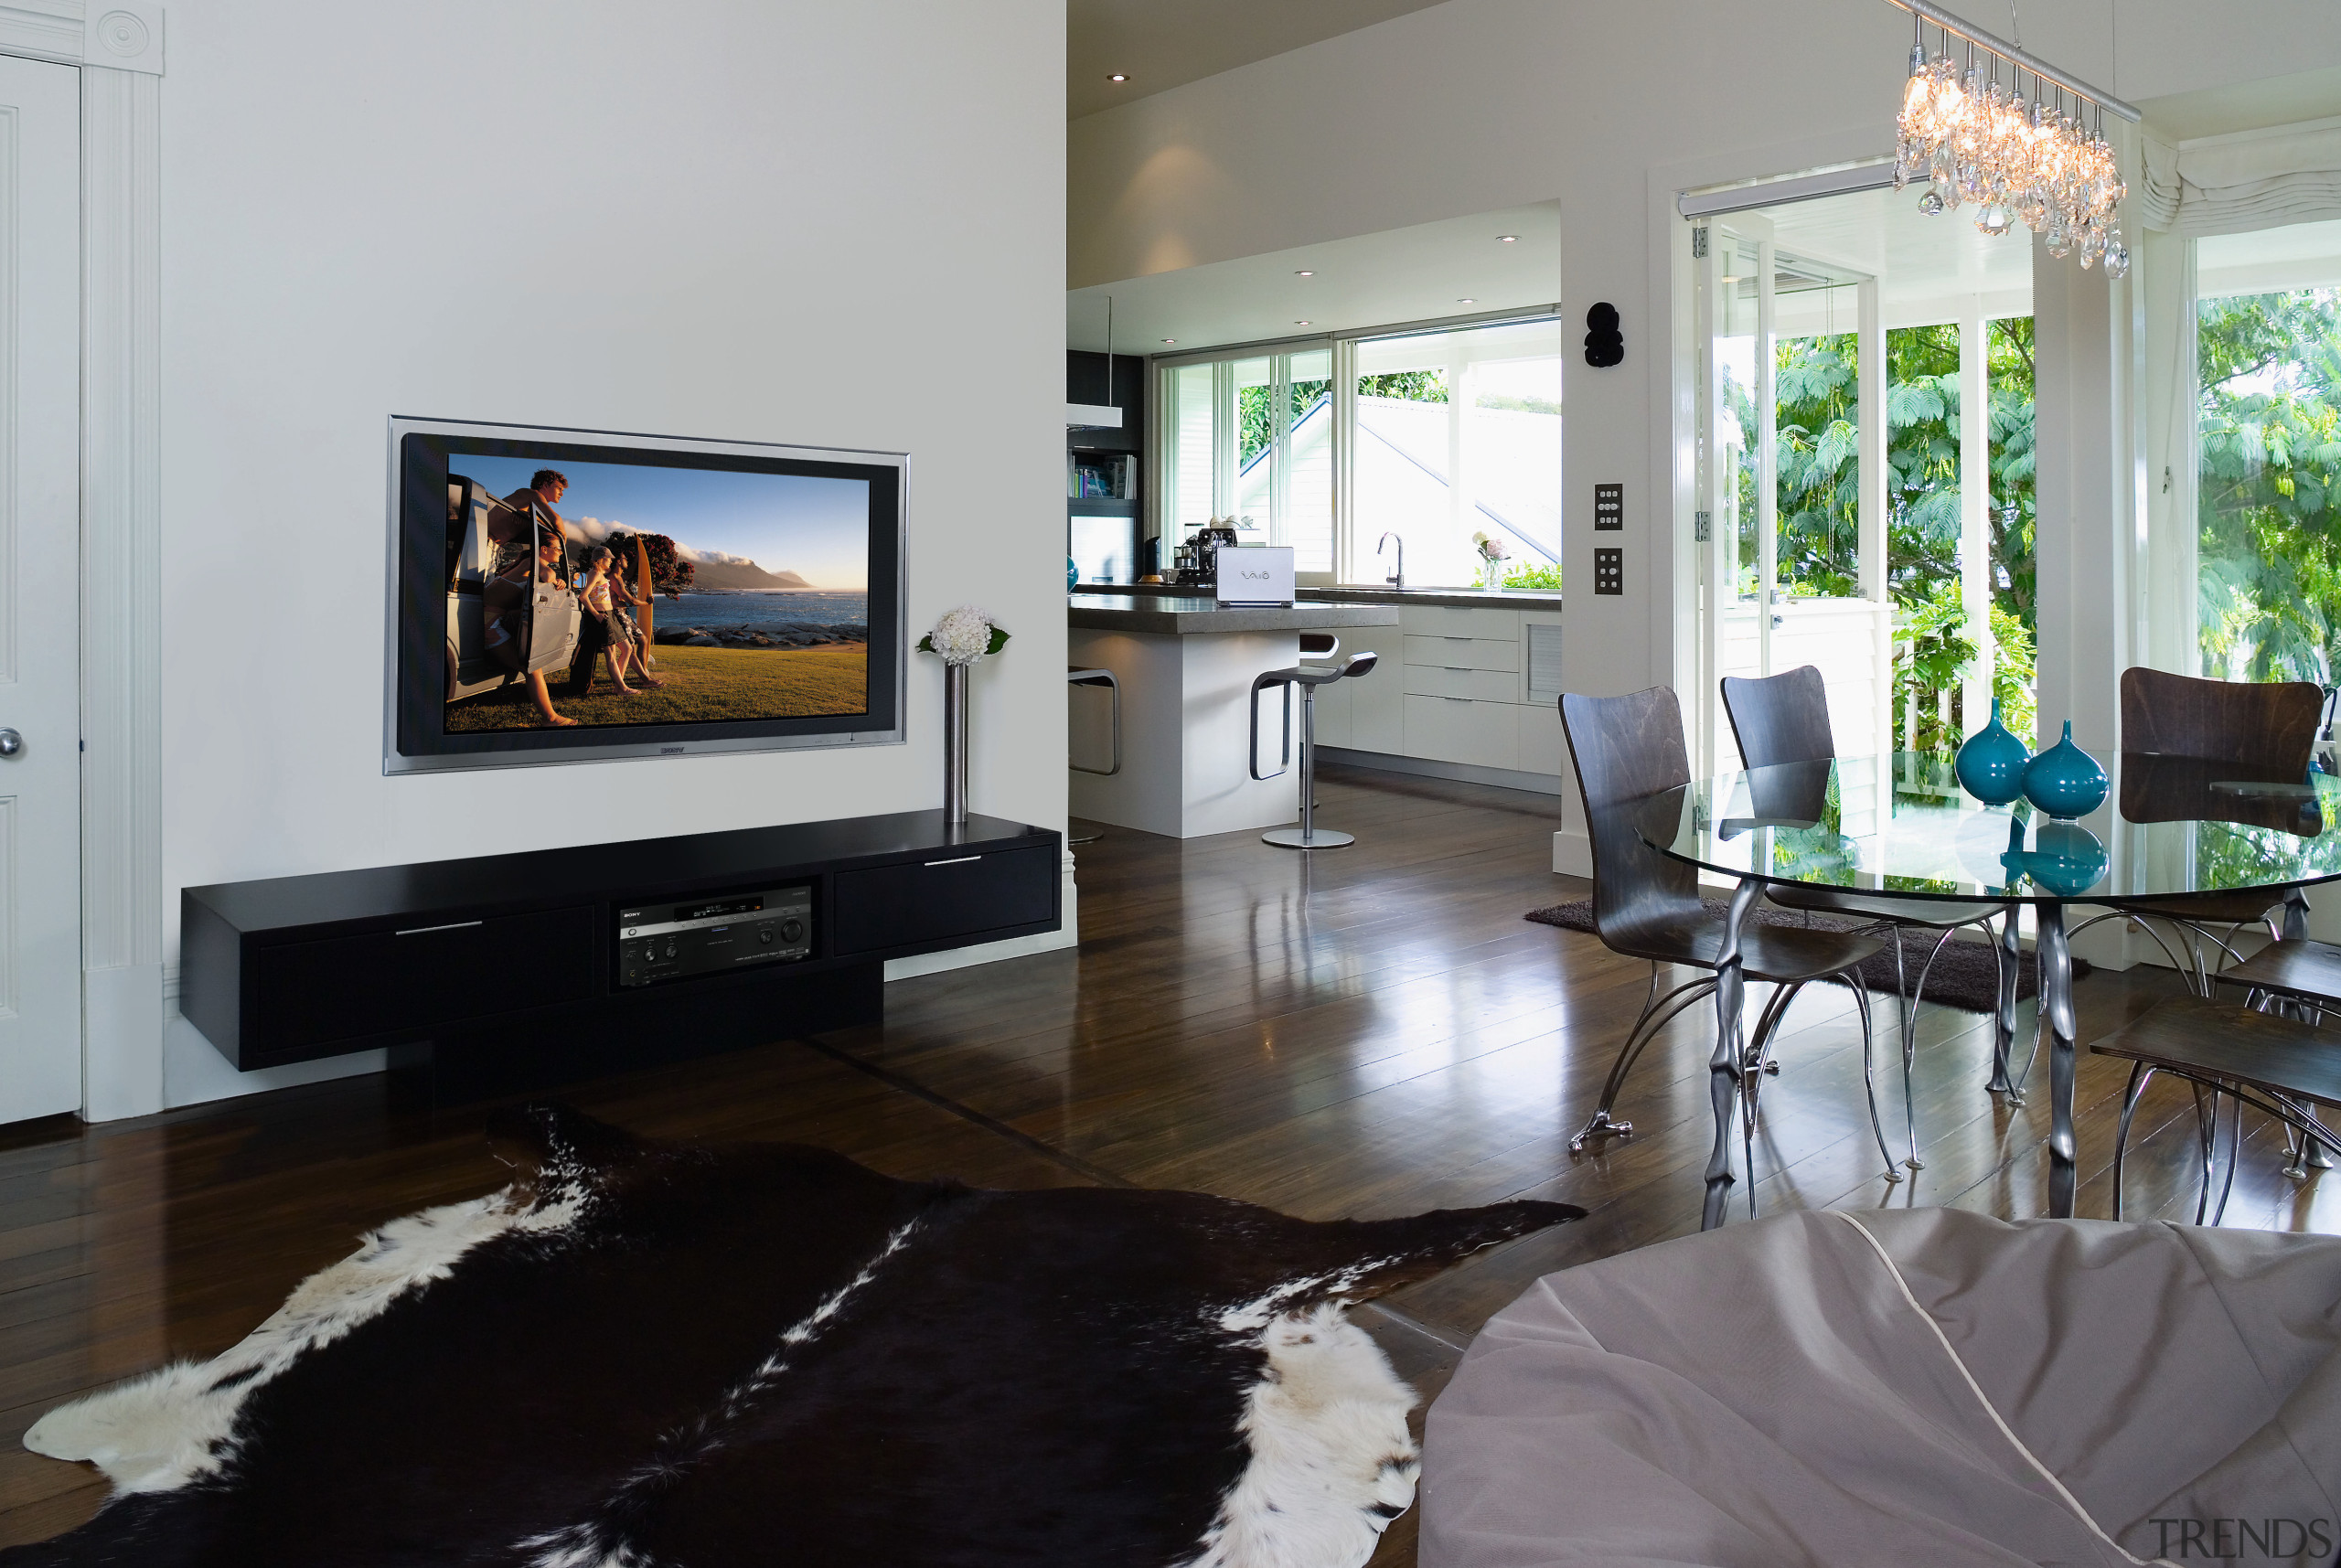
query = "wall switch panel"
x=1609 y=572
x=1608 y=507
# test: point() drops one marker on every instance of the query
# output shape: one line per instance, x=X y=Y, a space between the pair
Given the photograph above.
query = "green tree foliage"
x=2269 y=592
x=1931 y=652
x=1413 y=385
x=1257 y=419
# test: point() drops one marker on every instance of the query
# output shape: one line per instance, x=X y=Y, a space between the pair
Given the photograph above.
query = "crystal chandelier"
x=2040 y=159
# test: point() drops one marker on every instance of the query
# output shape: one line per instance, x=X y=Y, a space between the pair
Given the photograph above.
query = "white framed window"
x=1434 y=434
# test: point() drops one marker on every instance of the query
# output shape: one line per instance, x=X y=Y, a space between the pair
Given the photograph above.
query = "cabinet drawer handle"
x=960 y=862
x=454 y=926
x=1453 y=638
x=1444 y=697
x=1459 y=668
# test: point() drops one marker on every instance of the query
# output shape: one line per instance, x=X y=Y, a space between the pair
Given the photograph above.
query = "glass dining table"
x=2173 y=830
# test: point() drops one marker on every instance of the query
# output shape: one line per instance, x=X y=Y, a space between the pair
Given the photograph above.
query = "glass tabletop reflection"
x=2172 y=827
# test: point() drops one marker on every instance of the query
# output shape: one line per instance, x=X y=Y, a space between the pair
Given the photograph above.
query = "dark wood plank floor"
x=1369 y=1031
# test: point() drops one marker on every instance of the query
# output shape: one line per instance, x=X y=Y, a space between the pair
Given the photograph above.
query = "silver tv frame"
x=581 y=749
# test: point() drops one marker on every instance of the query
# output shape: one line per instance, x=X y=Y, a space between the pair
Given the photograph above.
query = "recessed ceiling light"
x=1509 y=239
x=1119 y=76
x=1300 y=324
x=1304 y=272
x=1467 y=301
x=1170 y=340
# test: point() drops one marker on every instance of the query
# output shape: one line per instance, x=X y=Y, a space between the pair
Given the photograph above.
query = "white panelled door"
x=41 y=564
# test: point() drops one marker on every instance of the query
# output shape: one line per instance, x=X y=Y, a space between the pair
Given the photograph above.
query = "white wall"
x=754 y=219
x=1607 y=109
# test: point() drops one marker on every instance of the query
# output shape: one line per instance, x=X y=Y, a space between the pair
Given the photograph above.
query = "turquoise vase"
x=2065 y=781
x=1072 y=573
x=1992 y=763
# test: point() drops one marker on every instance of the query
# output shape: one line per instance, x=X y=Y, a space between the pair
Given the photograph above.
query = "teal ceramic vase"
x=1072 y=573
x=1991 y=765
x=2065 y=781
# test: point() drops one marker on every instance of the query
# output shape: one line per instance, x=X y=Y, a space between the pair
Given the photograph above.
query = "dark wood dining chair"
x=1784 y=718
x=2260 y=728
x=2280 y=1066
x=1627 y=750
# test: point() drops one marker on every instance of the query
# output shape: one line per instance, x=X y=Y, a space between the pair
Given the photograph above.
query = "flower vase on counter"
x=1992 y=763
x=960 y=639
x=1494 y=553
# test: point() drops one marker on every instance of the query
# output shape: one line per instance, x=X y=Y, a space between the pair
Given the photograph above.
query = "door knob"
x=10 y=742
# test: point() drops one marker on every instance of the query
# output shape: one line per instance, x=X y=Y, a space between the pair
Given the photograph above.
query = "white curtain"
x=2255 y=179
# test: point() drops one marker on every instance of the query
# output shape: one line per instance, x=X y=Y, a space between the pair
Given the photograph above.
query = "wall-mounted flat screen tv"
x=562 y=595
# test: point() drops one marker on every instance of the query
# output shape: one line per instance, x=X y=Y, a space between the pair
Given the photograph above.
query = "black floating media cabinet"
x=503 y=974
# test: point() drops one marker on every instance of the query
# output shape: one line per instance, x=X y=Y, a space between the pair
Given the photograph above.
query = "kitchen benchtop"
x=1184 y=616
x=1459 y=598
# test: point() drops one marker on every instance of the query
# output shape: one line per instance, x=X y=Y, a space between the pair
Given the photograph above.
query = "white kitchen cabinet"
x=1457 y=729
x=1452 y=621
x=1542 y=748
x=1464 y=653
x=1480 y=685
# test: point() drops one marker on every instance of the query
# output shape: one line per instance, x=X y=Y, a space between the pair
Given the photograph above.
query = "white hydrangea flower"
x=961 y=636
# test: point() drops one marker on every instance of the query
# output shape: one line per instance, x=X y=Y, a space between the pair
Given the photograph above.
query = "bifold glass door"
x=1790 y=530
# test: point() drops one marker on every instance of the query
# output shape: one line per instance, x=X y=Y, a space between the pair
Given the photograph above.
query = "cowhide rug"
x=641 y=1355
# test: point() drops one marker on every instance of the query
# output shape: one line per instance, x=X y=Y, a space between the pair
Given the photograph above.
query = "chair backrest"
x=1626 y=749
x=1320 y=645
x=1780 y=718
x=2259 y=724
x=1360 y=664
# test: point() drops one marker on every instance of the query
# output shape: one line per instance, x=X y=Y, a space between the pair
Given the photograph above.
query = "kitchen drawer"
x=1455 y=730
x=1542 y=748
x=945 y=899
x=1463 y=653
x=1480 y=685
x=1454 y=620
x=310 y=996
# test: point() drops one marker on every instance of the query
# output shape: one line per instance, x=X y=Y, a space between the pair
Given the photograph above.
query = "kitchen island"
x=1185 y=665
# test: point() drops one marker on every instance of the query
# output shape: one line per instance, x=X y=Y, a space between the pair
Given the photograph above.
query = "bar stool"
x=1307 y=677
x=1076 y=676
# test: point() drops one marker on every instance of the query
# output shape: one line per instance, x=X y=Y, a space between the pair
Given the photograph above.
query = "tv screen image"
x=692 y=594
x=572 y=594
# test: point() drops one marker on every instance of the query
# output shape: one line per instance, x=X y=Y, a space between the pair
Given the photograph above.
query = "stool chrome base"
x=1302 y=839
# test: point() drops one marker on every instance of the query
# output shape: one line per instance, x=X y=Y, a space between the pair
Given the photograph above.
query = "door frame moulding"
x=119 y=53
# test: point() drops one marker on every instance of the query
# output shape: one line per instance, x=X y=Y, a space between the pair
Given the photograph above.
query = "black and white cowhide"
x=654 y=1356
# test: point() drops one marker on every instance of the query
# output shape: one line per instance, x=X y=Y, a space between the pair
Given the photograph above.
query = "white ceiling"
x=2245 y=106
x=1373 y=279
x=1163 y=44
x=1923 y=264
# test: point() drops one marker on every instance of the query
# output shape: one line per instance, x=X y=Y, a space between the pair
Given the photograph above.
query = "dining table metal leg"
x=2004 y=1020
x=2056 y=1006
x=2313 y=1155
x=1724 y=1068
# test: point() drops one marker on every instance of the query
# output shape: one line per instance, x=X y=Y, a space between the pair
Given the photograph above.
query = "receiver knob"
x=764 y=934
x=791 y=929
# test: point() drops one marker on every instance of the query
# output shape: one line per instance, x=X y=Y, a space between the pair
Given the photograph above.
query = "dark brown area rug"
x=1965 y=975
x=749 y=1355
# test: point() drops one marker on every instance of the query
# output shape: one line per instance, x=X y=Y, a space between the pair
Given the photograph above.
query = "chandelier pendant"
x=2040 y=159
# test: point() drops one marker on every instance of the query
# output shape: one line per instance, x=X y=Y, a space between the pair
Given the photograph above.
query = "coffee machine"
x=1198 y=559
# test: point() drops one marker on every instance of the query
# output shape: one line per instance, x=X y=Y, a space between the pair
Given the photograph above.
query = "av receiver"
x=707 y=935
